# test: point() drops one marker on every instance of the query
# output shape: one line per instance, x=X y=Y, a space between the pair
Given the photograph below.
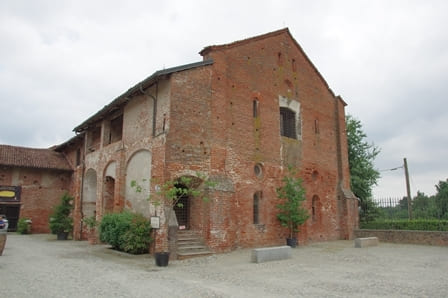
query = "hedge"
x=126 y=231
x=405 y=224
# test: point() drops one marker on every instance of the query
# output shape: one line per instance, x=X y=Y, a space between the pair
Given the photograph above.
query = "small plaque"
x=155 y=222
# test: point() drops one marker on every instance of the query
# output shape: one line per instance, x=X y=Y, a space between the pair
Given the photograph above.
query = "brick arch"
x=108 y=192
x=138 y=168
x=89 y=193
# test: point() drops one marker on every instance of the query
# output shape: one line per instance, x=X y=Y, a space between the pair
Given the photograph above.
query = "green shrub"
x=126 y=231
x=23 y=226
x=404 y=224
x=60 y=220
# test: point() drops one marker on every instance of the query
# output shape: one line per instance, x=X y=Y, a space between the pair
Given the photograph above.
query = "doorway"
x=182 y=211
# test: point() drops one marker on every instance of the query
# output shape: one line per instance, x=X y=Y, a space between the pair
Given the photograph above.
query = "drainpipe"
x=154 y=108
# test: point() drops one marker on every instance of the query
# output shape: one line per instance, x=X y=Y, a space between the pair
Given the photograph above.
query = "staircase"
x=190 y=244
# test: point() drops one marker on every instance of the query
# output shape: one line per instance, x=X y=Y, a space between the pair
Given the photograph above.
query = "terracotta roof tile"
x=33 y=158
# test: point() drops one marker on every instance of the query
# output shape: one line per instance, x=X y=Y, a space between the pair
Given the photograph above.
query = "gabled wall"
x=270 y=69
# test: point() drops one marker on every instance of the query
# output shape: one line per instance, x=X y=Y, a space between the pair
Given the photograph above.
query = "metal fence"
x=392 y=208
x=388 y=202
x=397 y=208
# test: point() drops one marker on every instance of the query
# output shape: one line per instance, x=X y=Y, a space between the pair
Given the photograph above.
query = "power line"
x=392 y=169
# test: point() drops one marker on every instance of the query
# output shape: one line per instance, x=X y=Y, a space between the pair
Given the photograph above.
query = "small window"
x=116 y=129
x=94 y=138
x=258 y=170
x=315 y=208
x=316 y=126
x=255 y=105
x=256 y=207
x=294 y=65
x=288 y=123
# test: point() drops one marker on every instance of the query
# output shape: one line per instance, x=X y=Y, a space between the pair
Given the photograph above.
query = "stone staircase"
x=191 y=244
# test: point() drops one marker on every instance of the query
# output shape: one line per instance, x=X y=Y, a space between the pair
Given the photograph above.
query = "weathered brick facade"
x=240 y=117
x=41 y=177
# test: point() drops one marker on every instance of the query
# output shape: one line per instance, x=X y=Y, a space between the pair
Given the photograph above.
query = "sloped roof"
x=140 y=86
x=33 y=158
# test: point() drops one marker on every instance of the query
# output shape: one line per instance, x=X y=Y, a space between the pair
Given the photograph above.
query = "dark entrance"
x=11 y=211
x=182 y=210
x=10 y=205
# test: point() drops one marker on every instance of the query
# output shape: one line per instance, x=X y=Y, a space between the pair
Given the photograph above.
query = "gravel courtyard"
x=40 y=266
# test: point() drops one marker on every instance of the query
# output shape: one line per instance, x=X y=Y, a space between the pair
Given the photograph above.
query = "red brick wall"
x=266 y=69
x=41 y=191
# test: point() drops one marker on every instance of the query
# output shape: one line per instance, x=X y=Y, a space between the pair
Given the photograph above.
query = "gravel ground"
x=40 y=266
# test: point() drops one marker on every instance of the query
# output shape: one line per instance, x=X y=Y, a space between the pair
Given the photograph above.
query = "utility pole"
x=408 y=187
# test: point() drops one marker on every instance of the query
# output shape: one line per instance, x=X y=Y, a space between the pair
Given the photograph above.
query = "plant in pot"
x=91 y=224
x=168 y=195
x=291 y=212
x=61 y=223
x=24 y=226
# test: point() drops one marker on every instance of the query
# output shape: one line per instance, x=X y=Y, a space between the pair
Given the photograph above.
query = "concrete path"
x=39 y=266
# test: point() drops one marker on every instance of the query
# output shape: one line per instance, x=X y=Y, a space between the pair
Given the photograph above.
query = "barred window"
x=288 y=123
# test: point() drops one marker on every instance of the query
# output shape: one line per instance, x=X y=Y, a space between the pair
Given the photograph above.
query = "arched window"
x=256 y=206
x=315 y=209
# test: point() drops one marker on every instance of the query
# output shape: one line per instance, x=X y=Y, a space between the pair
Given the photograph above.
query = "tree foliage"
x=441 y=199
x=363 y=175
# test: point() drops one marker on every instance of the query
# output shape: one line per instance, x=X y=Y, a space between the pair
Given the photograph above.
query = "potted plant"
x=291 y=212
x=61 y=224
x=24 y=226
x=91 y=224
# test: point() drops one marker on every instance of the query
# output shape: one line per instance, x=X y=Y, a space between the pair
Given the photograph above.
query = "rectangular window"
x=94 y=138
x=288 y=123
x=116 y=129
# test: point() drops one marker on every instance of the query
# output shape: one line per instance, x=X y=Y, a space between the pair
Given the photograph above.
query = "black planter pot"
x=162 y=258
x=291 y=242
x=62 y=236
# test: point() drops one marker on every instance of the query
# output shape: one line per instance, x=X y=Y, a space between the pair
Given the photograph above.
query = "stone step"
x=191 y=244
x=185 y=238
x=181 y=255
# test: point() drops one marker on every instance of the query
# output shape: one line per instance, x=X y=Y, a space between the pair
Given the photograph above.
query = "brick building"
x=240 y=117
x=31 y=183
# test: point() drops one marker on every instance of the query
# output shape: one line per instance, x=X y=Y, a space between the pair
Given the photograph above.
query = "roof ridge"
x=26 y=148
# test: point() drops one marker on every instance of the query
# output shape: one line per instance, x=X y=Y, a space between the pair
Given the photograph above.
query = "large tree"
x=442 y=199
x=363 y=176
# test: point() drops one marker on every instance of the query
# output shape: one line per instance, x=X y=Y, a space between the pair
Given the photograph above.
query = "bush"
x=23 y=226
x=60 y=220
x=126 y=231
x=404 y=224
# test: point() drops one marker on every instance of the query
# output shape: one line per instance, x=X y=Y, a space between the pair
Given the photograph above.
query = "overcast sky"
x=62 y=61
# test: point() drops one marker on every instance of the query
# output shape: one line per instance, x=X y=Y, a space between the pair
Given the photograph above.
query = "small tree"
x=173 y=190
x=60 y=220
x=291 y=212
